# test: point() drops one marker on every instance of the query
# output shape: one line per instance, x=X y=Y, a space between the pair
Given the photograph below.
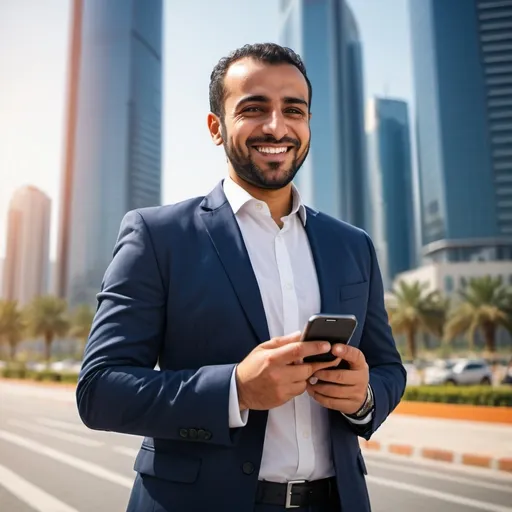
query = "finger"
x=302 y=372
x=334 y=391
x=350 y=354
x=280 y=341
x=339 y=404
x=340 y=377
x=299 y=350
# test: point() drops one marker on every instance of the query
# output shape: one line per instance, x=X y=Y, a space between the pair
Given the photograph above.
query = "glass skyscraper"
x=462 y=53
x=390 y=171
x=325 y=34
x=113 y=151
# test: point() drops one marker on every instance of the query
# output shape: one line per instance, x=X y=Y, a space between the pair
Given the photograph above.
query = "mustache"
x=272 y=140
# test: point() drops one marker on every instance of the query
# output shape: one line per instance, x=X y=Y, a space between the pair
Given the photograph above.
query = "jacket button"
x=248 y=468
x=183 y=433
x=192 y=433
x=207 y=435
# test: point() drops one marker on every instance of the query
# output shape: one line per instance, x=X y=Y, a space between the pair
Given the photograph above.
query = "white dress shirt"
x=297 y=442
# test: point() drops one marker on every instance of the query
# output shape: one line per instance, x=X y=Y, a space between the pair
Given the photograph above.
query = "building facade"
x=462 y=56
x=113 y=150
x=391 y=190
x=25 y=272
x=325 y=34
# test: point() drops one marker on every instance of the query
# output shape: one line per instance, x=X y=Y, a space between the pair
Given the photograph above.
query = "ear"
x=214 y=127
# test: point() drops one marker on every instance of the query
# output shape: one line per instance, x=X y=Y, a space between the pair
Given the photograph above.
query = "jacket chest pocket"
x=353 y=300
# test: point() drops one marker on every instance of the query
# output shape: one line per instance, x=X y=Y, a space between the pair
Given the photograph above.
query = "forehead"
x=251 y=77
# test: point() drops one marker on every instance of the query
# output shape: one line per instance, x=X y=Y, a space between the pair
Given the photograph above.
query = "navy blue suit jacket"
x=180 y=292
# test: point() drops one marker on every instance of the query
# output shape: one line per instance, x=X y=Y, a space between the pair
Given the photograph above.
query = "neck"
x=279 y=201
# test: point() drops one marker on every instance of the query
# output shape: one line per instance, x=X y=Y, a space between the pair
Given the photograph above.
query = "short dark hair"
x=269 y=53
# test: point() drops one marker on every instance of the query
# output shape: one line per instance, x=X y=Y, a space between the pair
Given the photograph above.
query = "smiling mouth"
x=272 y=150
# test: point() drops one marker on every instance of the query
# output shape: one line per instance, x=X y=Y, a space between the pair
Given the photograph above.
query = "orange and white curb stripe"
x=467 y=459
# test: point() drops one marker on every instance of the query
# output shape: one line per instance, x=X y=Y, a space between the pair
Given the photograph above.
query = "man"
x=214 y=290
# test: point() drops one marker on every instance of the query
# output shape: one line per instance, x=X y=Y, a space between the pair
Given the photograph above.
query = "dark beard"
x=246 y=169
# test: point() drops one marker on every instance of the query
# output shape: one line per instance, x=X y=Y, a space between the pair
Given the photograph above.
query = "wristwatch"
x=367 y=406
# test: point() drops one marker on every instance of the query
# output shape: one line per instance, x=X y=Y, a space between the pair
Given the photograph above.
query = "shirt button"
x=289 y=286
x=305 y=434
x=259 y=206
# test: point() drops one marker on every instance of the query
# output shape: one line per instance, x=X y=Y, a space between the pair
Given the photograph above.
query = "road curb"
x=436 y=454
x=41 y=384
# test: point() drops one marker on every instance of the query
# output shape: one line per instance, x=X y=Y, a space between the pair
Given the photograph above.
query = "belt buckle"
x=289 y=491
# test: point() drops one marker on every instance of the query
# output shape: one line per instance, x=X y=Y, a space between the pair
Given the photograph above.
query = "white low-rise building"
x=448 y=278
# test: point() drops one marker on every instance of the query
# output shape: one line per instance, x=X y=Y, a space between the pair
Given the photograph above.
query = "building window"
x=448 y=284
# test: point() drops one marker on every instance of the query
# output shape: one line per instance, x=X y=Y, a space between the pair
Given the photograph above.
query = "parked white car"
x=459 y=372
x=413 y=375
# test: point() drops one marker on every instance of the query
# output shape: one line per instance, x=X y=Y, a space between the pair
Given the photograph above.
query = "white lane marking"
x=63 y=436
x=473 y=471
x=124 y=450
x=65 y=425
x=75 y=462
x=28 y=493
x=444 y=496
x=440 y=476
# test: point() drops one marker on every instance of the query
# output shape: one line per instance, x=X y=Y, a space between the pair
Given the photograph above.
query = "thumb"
x=281 y=341
x=350 y=354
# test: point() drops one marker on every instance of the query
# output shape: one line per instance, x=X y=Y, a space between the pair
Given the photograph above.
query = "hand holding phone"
x=332 y=328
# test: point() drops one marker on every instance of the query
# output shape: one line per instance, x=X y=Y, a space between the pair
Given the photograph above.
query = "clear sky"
x=34 y=38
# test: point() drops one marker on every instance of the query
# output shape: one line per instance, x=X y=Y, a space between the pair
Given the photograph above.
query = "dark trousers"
x=332 y=507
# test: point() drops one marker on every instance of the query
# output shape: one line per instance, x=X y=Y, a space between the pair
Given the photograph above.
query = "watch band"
x=366 y=407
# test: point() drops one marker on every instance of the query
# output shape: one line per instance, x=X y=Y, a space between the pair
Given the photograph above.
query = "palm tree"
x=412 y=308
x=81 y=322
x=12 y=326
x=46 y=317
x=485 y=306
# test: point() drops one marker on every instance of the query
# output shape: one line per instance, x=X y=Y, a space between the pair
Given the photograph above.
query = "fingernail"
x=339 y=349
x=326 y=346
x=313 y=380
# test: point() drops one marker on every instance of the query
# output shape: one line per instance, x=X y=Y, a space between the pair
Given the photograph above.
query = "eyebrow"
x=289 y=100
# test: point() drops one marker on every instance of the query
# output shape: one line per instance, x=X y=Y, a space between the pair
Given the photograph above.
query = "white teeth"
x=266 y=149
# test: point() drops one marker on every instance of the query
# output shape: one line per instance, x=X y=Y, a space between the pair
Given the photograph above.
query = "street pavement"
x=50 y=462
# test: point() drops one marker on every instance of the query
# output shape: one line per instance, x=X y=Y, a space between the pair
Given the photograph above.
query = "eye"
x=294 y=111
x=252 y=109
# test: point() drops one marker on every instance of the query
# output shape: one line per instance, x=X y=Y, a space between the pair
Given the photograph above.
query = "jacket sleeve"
x=387 y=373
x=119 y=389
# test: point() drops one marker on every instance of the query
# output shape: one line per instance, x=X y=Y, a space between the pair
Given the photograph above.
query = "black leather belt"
x=297 y=493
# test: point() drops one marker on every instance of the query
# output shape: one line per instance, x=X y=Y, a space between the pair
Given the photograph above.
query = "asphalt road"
x=49 y=462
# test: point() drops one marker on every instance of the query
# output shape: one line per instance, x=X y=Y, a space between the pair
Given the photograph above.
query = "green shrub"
x=14 y=371
x=469 y=395
x=19 y=371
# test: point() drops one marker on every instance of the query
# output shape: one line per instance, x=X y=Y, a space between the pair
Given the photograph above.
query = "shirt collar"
x=239 y=197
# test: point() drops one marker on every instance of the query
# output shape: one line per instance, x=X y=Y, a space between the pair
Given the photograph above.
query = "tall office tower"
x=390 y=171
x=25 y=270
x=334 y=177
x=113 y=150
x=462 y=53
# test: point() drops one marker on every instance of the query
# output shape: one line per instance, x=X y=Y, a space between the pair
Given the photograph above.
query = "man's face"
x=265 y=129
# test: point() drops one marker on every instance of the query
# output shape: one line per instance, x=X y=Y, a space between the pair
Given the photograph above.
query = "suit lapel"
x=327 y=263
x=227 y=239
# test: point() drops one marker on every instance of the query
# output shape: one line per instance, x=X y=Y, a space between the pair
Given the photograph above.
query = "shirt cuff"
x=361 y=421
x=237 y=418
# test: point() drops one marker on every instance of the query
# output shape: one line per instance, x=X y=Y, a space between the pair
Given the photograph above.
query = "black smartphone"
x=331 y=328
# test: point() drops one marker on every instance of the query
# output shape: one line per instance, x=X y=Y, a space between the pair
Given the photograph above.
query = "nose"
x=275 y=125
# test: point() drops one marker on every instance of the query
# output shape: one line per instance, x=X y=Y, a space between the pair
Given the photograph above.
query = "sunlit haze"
x=34 y=39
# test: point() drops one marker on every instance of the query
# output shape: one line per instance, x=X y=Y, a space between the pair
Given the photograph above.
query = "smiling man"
x=216 y=290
